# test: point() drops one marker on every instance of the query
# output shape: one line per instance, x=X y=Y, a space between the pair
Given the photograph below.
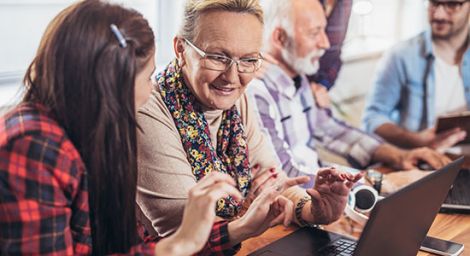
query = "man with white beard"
x=294 y=35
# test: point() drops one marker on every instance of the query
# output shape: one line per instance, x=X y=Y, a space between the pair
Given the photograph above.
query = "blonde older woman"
x=198 y=120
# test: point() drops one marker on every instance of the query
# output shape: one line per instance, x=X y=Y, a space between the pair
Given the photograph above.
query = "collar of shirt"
x=283 y=82
x=427 y=44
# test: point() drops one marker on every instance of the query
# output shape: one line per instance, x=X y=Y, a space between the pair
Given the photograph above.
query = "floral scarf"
x=231 y=155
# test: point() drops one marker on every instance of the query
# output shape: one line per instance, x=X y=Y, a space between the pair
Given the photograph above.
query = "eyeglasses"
x=222 y=63
x=449 y=6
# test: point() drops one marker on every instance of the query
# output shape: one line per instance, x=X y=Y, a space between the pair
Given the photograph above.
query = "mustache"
x=319 y=53
x=439 y=22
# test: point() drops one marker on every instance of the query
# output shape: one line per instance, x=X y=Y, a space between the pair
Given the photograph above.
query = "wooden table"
x=455 y=227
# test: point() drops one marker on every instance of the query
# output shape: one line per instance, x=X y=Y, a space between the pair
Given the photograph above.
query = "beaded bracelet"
x=298 y=210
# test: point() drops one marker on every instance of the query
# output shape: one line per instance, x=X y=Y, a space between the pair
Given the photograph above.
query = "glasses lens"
x=249 y=65
x=216 y=62
x=452 y=6
x=222 y=63
x=449 y=6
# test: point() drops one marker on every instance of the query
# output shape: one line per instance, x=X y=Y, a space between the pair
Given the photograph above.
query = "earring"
x=180 y=59
x=180 y=62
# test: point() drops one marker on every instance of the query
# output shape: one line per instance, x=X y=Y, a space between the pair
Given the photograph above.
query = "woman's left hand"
x=330 y=194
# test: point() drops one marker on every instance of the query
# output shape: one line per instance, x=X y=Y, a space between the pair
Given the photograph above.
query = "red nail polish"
x=275 y=175
x=272 y=170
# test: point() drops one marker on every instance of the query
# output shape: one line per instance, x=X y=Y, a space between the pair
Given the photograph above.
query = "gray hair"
x=195 y=8
x=277 y=13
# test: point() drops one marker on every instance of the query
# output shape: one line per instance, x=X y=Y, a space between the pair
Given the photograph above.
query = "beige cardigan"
x=165 y=175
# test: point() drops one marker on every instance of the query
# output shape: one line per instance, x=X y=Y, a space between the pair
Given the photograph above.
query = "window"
x=22 y=23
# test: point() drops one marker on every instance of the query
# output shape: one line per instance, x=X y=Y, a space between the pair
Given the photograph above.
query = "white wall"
x=168 y=23
x=390 y=21
x=369 y=36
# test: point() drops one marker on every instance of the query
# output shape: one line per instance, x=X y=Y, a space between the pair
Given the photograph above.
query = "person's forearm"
x=398 y=136
x=389 y=155
x=237 y=231
x=173 y=245
x=295 y=194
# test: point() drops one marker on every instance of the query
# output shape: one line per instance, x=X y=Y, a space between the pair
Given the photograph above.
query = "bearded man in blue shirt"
x=422 y=79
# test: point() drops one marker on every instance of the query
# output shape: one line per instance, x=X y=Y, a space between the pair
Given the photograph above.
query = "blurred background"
x=375 y=25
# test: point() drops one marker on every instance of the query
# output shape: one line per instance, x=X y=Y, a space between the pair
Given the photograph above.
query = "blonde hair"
x=195 y=8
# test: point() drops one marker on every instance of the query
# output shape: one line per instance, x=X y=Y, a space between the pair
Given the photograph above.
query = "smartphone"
x=441 y=247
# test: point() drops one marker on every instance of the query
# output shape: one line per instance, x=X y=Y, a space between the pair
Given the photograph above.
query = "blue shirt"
x=397 y=95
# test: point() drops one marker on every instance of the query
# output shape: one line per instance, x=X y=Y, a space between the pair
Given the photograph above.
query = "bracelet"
x=298 y=210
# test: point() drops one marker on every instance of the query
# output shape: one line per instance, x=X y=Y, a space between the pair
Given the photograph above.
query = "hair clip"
x=119 y=36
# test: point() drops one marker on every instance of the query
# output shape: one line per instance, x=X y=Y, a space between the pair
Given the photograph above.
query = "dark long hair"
x=86 y=79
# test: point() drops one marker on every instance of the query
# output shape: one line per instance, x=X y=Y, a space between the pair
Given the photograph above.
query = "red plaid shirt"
x=43 y=191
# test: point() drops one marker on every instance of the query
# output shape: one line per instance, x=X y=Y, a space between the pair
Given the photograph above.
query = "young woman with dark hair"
x=68 y=151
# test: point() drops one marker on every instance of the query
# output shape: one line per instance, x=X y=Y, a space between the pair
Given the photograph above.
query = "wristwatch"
x=375 y=178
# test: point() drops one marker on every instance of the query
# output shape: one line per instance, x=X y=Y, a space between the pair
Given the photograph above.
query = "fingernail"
x=275 y=175
x=256 y=166
x=272 y=170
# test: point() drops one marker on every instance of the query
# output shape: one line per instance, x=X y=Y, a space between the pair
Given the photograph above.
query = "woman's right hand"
x=263 y=179
x=269 y=209
x=199 y=215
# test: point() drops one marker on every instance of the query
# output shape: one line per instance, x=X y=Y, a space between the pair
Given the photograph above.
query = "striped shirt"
x=296 y=125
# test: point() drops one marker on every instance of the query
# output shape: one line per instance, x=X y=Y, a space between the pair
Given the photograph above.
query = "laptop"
x=397 y=225
x=458 y=199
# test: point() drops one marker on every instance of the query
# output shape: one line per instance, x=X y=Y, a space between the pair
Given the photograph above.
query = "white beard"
x=303 y=66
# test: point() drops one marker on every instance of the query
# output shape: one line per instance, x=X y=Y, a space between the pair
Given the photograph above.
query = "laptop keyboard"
x=460 y=193
x=339 y=247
